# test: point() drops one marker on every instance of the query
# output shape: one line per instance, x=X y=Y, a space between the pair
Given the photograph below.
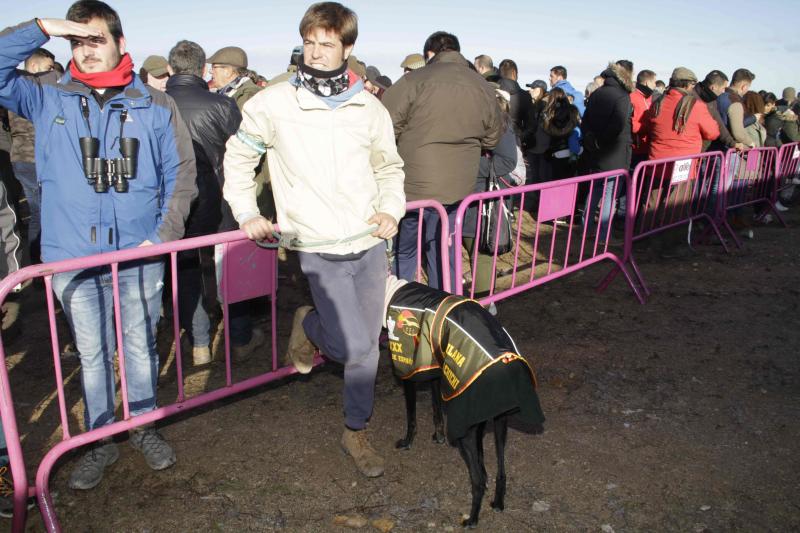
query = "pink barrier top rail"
x=558 y=206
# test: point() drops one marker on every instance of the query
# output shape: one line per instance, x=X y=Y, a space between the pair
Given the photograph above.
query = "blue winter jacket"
x=76 y=220
x=577 y=96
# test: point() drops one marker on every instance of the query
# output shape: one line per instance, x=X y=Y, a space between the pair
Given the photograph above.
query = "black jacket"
x=521 y=104
x=606 y=124
x=211 y=120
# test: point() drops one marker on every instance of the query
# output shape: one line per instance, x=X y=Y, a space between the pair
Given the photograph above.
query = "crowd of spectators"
x=223 y=147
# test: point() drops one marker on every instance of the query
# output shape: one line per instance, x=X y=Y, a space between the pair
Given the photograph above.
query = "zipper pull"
x=94 y=234
x=110 y=236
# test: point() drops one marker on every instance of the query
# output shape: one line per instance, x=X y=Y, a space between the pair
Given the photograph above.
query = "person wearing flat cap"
x=229 y=74
x=412 y=62
x=154 y=72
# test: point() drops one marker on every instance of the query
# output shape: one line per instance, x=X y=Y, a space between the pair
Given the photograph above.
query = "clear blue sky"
x=581 y=35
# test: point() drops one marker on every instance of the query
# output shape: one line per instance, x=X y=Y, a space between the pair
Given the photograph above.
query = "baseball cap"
x=537 y=83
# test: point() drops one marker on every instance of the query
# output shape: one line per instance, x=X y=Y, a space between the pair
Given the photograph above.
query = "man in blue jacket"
x=101 y=98
x=558 y=80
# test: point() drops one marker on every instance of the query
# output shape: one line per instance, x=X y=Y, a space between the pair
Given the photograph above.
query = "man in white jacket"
x=338 y=185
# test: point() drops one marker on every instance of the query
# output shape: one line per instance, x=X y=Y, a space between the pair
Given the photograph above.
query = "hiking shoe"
x=157 y=452
x=89 y=470
x=356 y=445
x=301 y=350
x=257 y=340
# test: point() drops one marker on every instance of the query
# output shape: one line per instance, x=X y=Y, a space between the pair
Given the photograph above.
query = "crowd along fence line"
x=788 y=168
x=248 y=271
x=751 y=179
x=559 y=245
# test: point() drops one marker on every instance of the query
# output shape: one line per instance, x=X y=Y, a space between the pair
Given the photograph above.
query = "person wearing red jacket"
x=675 y=125
x=641 y=99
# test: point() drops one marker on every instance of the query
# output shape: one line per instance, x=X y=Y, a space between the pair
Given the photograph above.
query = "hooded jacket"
x=211 y=119
x=640 y=103
x=665 y=141
x=443 y=116
x=606 y=124
x=577 y=96
x=520 y=104
x=77 y=221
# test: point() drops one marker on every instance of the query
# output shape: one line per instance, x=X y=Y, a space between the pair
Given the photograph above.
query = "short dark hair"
x=770 y=98
x=187 y=57
x=742 y=74
x=484 y=61
x=626 y=64
x=508 y=69
x=644 y=76
x=58 y=67
x=440 y=41
x=559 y=71
x=660 y=83
x=85 y=10
x=331 y=16
x=40 y=53
x=715 y=77
x=143 y=74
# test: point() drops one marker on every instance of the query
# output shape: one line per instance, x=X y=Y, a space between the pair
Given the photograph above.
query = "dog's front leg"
x=438 y=412
x=468 y=447
x=500 y=435
x=410 y=395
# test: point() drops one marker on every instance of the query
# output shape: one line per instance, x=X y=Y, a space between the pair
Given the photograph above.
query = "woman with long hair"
x=560 y=121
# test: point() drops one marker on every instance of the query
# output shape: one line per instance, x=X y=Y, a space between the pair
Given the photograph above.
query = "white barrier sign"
x=796 y=153
x=681 y=170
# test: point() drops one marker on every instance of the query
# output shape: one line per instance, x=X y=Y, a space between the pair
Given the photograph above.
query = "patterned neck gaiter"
x=324 y=83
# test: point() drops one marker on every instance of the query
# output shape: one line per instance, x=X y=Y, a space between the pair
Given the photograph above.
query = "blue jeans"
x=608 y=198
x=404 y=265
x=87 y=299
x=26 y=174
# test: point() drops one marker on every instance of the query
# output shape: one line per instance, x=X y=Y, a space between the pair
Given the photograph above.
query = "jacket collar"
x=186 y=80
x=308 y=100
x=449 y=56
x=136 y=91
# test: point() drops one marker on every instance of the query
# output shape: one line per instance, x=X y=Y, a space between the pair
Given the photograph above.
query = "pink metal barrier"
x=558 y=245
x=249 y=271
x=244 y=257
x=444 y=238
x=788 y=167
x=751 y=180
x=667 y=193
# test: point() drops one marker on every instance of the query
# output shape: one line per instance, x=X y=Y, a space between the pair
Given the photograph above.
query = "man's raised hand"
x=67 y=28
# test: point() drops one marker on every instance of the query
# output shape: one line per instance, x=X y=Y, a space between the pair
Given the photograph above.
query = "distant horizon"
x=536 y=35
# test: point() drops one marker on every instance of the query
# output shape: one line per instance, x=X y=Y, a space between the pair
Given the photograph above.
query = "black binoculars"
x=101 y=173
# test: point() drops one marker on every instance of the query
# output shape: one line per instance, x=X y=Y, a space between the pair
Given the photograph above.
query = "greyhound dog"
x=475 y=371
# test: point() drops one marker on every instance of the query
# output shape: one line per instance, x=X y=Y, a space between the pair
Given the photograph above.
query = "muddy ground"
x=679 y=415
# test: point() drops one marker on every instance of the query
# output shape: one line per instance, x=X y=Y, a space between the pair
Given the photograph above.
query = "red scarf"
x=120 y=76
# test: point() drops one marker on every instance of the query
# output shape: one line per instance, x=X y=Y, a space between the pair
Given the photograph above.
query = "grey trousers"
x=346 y=322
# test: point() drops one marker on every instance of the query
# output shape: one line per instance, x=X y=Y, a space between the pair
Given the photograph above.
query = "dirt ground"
x=679 y=415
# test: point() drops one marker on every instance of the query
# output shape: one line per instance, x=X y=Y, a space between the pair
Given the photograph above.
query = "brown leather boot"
x=356 y=445
x=301 y=350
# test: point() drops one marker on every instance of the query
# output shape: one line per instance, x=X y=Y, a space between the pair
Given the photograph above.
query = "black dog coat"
x=483 y=375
